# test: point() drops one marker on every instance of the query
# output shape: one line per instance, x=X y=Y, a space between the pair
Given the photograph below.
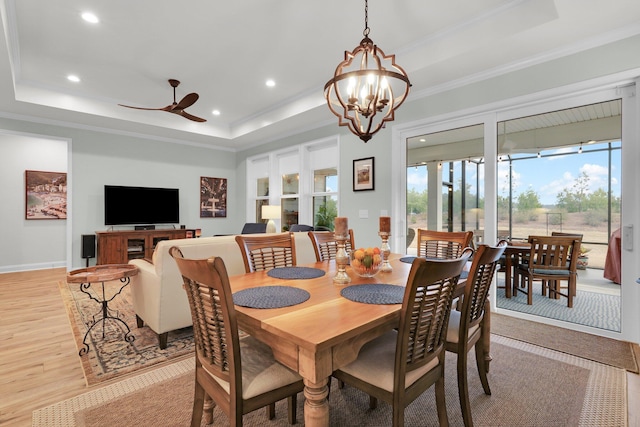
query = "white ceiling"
x=225 y=51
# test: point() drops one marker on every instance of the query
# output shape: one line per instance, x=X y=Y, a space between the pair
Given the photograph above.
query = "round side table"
x=101 y=274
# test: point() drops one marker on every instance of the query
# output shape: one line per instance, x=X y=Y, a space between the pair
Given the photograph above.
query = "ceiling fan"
x=177 y=107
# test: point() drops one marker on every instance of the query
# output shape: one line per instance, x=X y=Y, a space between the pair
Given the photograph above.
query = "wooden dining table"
x=326 y=332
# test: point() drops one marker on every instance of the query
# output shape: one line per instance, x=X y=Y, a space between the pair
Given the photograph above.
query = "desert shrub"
x=595 y=217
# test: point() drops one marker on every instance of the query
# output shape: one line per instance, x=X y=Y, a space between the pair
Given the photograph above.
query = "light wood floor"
x=39 y=363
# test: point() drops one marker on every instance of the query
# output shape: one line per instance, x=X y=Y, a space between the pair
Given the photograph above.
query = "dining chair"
x=549 y=260
x=443 y=244
x=398 y=366
x=269 y=251
x=581 y=236
x=325 y=245
x=238 y=375
x=466 y=328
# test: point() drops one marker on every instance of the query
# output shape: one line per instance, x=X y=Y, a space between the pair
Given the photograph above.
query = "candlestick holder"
x=342 y=259
x=385 y=250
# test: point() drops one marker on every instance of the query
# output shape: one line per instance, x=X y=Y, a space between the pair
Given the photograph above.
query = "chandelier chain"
x=366 y=18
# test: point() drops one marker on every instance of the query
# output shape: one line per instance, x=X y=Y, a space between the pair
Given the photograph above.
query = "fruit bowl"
x=366 y=262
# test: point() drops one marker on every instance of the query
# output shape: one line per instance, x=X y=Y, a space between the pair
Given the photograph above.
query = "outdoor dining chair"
x=550 y=261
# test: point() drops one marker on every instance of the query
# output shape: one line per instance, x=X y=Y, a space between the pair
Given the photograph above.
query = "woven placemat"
x=375 y=293
x=295 y=273
x=270 y=297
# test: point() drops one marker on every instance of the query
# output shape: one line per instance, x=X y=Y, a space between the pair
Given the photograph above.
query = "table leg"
x=486 y=333
x=508 y=267
x=316 y=405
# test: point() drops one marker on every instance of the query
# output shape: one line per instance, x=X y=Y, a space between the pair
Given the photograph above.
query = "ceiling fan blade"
x=167 y=108
x=187 y=101
x=188 y=116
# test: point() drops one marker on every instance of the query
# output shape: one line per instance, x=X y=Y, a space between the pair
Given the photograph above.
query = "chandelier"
x=367 y=87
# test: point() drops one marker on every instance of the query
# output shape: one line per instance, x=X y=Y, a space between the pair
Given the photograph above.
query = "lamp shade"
x=270 y=212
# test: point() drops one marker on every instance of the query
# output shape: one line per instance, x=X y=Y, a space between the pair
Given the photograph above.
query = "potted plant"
x=583 y=259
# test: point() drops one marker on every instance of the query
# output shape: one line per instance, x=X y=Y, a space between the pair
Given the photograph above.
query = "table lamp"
x=271 y=212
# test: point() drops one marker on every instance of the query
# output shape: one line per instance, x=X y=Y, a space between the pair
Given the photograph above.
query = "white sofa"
x=157 y=295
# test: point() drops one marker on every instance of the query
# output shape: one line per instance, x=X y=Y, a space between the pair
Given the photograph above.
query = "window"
x=302 y=180
x=325 y=197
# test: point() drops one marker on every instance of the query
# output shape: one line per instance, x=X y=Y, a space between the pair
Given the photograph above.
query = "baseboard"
x=29 y=267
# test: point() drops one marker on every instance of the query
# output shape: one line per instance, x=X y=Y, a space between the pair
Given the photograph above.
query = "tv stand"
x=118 y=247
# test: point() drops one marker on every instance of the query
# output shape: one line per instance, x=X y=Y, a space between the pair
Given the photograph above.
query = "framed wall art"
x=213 y=197
x=45 y=195
x=363 y=174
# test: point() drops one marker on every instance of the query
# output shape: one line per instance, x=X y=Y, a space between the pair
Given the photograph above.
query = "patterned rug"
x=111 y=356
x=589 y=308
x=531 y=387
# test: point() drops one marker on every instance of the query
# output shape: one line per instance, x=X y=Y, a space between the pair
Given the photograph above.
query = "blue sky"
x=547 y=176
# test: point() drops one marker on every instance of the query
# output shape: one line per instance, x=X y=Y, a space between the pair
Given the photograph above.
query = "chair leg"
x=529 y=290
x=480 y=364
x=571 y=289
x=441 y=405
x=271 y=411
x=463 y=388
x=373 y=402
x=292 y=401
x=198 y=405
x=208 y=407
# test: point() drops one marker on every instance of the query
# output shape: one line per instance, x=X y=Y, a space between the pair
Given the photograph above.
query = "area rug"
x=593 y=309
x=531 y=386
x=111 y=356
x=599 y=349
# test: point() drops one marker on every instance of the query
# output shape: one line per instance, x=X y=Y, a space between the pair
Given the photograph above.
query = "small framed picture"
x=213 y=197
x=363 y=174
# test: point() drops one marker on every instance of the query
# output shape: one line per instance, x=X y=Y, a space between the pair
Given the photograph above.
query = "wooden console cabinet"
x=118 y=247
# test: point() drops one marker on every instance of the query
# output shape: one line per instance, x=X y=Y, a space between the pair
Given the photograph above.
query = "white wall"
x=28 y=244
x=97 y=158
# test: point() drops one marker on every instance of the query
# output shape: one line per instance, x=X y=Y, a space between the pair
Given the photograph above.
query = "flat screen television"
x=140 y=205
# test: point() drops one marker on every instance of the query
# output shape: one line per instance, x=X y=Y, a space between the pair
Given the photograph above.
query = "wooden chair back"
x=552 y=254
x=219 y=372
x=486 y=261
x=268 y=251
x=443 y=244
x=425 y=313
x=215 y=328
x=325 y=245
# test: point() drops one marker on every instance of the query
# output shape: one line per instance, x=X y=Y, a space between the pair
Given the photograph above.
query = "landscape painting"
x=46 y=195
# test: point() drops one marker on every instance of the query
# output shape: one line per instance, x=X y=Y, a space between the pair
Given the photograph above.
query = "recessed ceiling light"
x=73 y=78
x=423 y=140
x=90 y=17
x=216 y=112
x=270 y=83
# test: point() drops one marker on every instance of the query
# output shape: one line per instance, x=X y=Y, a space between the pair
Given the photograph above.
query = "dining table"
x=325 y=330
